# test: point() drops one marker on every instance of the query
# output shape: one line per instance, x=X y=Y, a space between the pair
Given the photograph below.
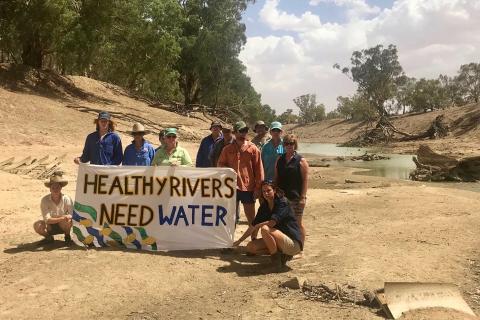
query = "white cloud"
x=355 y=8
x=432 y=37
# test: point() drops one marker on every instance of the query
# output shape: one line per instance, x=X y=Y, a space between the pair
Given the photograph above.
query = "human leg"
x=40 y=228
x=257 y=247
x=248 y=201
x=298 y=210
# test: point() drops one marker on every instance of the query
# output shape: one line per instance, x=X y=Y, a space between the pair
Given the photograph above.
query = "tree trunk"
x=32 y=53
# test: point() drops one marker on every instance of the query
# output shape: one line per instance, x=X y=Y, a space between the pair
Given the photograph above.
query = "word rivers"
x=139 y=215
x=175 y=187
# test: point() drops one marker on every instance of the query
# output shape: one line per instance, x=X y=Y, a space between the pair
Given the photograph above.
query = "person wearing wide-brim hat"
x=104 y=146
x=139 y=152
x=57 y=209
x=171 y=154
x=262 y=136
x=206 y=145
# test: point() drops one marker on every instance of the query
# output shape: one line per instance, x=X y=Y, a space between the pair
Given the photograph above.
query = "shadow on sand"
x=240 y=263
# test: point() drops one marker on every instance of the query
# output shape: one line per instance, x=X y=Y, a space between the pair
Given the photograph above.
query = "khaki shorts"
x=289 y=246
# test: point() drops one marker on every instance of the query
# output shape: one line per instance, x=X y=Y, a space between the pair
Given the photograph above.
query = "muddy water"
x=398 y=166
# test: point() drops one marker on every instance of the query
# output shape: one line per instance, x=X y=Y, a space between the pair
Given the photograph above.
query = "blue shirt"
x=206 y=146
x=107 y=151
x=142 y=157
x=270 y=155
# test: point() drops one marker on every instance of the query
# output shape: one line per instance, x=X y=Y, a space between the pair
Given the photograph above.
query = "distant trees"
x=377 y=73
x=384 y=88
x=310 y=111
x=164 y=49
x=469 y=81
x=288 y=117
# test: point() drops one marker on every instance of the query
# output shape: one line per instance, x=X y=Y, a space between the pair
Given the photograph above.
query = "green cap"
x=275 y=125
x=170 y=132
x=239 y=125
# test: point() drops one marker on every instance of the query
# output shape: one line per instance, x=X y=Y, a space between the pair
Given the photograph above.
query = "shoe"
x=285 y=258
x=276 y=260
x=68 y=239
x=46 y=240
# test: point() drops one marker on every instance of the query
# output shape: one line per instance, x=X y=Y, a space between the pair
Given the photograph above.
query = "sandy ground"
x=362 y=234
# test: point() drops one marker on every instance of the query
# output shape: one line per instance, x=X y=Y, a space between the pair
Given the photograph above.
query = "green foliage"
x=355 y=108
x=310 y=111
x=427 y=95
x=288 y=117
x=164 y=49
x=377 y=73
x=31 y=30
x=469 y=80
x=334 y=114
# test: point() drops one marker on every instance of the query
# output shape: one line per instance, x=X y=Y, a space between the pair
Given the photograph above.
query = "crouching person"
x=57 y=209
x=275 y=220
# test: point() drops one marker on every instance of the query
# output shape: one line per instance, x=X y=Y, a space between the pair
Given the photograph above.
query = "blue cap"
x=275 y=125
x=104 y=115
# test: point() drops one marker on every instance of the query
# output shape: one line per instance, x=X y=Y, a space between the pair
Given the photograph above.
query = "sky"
x=292 y=44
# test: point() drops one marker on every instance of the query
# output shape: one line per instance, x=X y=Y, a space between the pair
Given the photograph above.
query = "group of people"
x=268 y=168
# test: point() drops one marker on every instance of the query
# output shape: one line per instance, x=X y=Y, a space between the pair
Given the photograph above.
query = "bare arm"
x=252 y=229
x=304 y=170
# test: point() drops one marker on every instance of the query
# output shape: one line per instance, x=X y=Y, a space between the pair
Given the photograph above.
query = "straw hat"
x=138 y=128
x=56 y=178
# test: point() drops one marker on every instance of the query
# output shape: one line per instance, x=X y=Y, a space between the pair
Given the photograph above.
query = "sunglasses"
x=245 y=130
x=289 y=143
x=171 y=137
x=276 y=130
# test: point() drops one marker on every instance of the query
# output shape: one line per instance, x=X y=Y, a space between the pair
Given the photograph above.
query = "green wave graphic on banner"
x=87 y=209
x=146 y=239
x=109 y=232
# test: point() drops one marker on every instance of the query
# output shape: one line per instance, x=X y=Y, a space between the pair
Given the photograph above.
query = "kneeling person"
x=57 y=209
x=281 y=237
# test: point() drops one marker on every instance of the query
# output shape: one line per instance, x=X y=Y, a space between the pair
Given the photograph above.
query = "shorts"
x=289 y=246
x=245 y=197
x=54 y=229
x=297 y=208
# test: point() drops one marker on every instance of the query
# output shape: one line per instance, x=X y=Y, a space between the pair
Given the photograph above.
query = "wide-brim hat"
x=56 y=178
x=138 y=128
x=215 y=124
x=259 y=123
x=227 y=127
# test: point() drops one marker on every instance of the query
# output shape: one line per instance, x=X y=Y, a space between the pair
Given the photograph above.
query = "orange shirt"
x=247 y=163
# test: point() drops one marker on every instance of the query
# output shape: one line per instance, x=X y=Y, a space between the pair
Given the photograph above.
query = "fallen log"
x=384 y=132
x=432 y=166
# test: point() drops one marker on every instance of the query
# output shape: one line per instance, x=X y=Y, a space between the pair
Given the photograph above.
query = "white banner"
x=154 y=208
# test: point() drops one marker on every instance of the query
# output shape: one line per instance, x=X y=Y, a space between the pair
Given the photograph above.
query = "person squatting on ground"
x=291 y=176
x=171 y=154
x=262 y=136
x=57 y=209
x=272 y=150
x=281 y=237
x=139 y=152
x=103 y=146
x=206 y=146
x=226 y=139
x=244 y=157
